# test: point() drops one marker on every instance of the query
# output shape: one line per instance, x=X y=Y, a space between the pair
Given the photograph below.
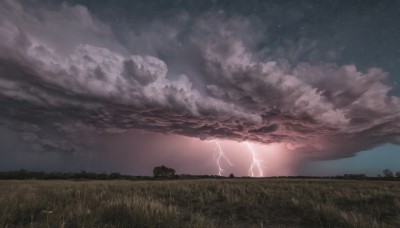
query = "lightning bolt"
x=256 y=164
x=220 y=156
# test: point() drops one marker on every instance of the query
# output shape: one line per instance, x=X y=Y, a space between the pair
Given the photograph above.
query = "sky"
x=254 y=88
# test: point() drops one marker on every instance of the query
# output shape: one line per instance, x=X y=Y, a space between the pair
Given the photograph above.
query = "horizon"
x=179 y=175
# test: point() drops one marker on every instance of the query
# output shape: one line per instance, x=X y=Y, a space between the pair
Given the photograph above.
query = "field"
x=200 y=203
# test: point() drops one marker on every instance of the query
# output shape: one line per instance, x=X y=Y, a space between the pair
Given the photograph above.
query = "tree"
x=387 y=173
x=398 y=174
x=231 y=175
x=164 y=172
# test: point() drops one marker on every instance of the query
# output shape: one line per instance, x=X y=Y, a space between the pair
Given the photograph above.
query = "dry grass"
x=200 y=203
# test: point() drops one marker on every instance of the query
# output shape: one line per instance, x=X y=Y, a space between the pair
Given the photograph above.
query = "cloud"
x=64 y=70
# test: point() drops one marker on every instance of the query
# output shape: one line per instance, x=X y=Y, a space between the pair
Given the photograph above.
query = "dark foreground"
x=200 y=203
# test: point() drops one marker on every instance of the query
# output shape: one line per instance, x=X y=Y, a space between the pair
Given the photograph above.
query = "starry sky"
x=259 y=88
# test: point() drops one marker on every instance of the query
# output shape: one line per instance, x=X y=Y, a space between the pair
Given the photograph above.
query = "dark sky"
x=254 y=87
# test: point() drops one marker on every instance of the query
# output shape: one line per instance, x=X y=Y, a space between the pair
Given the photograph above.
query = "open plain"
x=200 y=203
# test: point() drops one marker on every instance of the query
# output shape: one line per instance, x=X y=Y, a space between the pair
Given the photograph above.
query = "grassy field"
x=200 y=203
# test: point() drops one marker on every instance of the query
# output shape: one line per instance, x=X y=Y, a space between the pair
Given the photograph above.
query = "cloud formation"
x=65 y=71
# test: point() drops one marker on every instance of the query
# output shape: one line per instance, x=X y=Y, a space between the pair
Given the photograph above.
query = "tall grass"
x=200 y=203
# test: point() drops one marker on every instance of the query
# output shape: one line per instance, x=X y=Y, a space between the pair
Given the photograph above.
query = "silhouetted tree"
x=398 y=174
x=387 y=173
x=231 y=175
x=163 y=171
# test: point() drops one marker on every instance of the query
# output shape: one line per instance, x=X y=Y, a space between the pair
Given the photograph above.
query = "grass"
x=200 y=203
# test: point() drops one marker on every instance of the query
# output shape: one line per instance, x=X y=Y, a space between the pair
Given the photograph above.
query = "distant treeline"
x=24 y=175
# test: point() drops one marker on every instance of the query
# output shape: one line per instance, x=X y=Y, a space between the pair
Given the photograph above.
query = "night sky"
x=259 y=88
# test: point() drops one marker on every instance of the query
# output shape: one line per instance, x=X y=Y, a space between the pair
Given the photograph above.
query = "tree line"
x=163 y=172
x=24 y=174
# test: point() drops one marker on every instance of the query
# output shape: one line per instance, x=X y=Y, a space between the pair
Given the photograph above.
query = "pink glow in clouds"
x=134 y=152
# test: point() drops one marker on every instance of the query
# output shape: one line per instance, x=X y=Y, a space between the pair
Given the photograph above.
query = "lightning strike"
x=220 y=156
x=256 y=164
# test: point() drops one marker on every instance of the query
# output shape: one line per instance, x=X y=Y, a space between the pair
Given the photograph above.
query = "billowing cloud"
x=63 y=69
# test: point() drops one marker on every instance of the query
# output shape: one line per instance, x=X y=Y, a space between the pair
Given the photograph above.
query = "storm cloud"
x=65 y=74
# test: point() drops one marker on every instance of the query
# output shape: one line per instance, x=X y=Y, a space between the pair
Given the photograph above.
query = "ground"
x=200 y=203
